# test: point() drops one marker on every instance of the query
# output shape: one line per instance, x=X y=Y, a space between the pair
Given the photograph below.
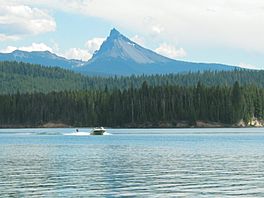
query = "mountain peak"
x=114 y=33
x=120 y=48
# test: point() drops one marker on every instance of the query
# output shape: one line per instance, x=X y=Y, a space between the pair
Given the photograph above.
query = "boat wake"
x=46 y=133
x=106 y=133
x=78 y=134
x=83 y=134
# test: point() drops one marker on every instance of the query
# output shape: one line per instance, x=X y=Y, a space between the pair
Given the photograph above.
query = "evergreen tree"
x=237 y=103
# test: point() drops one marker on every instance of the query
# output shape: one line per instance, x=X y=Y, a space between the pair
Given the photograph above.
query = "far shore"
x=163 y=125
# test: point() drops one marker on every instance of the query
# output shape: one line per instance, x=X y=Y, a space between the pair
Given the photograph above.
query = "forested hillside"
x=24 y=77
x=28 y=78
x=133 y=107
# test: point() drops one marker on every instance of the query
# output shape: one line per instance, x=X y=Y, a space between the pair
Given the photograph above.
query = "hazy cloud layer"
x=19 y=20
x=171 y=51
x=72 y=53
x=30 y=48
x=77 y=53
x=4 y=37
x=207 y=24
x=84 y=54
x=139 y=40
x=249 y=66
x=94 y=44
x=225 y=23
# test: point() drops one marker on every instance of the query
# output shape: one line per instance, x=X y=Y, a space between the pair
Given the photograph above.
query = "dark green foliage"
x=28 y=78
x=33 y=95
x=147 y=104
x=237 y=102
x=24 y=77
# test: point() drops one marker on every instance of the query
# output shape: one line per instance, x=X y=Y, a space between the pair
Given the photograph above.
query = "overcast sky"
x=221 y=31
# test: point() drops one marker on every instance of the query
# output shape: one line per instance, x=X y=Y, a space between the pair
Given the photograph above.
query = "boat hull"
x=97 y=133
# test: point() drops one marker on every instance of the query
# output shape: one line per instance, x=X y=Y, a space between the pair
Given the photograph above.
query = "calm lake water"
x=142 y=162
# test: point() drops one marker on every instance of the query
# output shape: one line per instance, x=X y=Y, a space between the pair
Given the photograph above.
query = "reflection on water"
x=172 y=165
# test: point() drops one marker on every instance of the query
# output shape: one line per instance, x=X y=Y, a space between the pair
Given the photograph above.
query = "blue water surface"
x=132 y=162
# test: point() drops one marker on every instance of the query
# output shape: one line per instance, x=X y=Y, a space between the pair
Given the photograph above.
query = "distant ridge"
x=117 y=56
x=44 y=58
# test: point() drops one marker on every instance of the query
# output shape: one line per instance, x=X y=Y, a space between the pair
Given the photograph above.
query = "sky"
x=218 y=31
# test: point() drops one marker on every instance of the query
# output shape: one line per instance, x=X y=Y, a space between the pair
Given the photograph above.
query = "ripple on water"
x=119 y=166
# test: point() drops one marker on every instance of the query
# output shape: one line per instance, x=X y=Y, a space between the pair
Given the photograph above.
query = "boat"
x=98 y=131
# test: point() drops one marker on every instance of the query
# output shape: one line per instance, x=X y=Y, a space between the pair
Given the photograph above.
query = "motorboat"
x=98 y=131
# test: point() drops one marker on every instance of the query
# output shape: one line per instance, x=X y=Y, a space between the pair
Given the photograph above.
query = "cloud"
x=170 y=51
x=232 y=23
x=248 y=66
x=90 y=47
x=30 y=48
x=8 y=49
x=4 y=37
x=77 y=53
x=157 y=29
x=94 y=44
x=72 y=53
x=84 y=54
x=20 y=20
x=139 y=40
x=36 y=47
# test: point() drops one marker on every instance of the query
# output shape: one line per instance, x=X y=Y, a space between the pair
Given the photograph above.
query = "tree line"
x=30 y=78
x=134 y=106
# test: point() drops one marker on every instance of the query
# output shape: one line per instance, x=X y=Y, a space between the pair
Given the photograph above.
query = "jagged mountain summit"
x=119 y=47
x=119 y=56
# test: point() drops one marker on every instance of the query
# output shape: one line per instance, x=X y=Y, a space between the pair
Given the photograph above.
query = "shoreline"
x=161 y=125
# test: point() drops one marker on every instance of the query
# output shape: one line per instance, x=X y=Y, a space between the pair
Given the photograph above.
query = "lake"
x=132 y=162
